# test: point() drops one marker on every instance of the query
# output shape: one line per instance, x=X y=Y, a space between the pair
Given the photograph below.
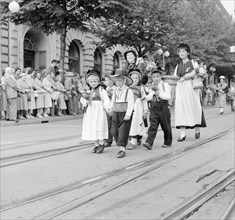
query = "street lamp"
x=164 y=54
x=14 y=6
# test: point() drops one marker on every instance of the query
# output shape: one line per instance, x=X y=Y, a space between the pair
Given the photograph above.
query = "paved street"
x=58 y=159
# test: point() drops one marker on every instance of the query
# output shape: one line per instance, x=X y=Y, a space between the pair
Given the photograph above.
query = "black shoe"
x=166 y=145
x=139 y=141
x=100 y=149
x=180 y=139
x=221 y=113
x=108 y=144
x=147 y=145
x=197 y=135
x=94 y=150
x=121 y=154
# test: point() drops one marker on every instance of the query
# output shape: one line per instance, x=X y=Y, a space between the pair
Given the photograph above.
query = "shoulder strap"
x=163 y=86
x=126 y=94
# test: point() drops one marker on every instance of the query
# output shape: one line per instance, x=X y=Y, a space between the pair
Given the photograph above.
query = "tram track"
x=155 y=162
x=27 y=157
x=193 y=203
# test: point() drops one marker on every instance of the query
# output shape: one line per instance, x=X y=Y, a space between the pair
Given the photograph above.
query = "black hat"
x=123 y=73
x=158 y=69
x=130 y=51
x=183 y=46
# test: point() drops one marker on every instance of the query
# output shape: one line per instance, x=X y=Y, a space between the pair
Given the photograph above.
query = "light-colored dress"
x=4 y=97
x=47 y=95
x=140 y=107
x=32 y=102
x=24 y=88
x=221 y=101
x=61 y=100
x=188 y=109
x=40 y=91
x=95 y=124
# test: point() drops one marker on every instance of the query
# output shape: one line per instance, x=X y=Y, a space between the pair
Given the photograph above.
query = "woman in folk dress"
x=222 y=89
x=97 y=103
x=188 y=109
x=140 y=110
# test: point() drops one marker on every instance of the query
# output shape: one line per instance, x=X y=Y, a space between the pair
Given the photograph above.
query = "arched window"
x=116 y=62
x=74 y=58
x=98 y=60
x=35 y=49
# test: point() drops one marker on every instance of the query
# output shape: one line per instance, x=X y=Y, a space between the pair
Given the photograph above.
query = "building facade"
x=23 y=46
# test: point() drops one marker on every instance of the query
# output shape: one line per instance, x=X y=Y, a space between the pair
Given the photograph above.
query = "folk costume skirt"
x=95 y=123
x=188 y=109
x=137 y=123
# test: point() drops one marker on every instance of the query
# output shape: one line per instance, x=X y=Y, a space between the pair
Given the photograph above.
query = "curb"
x=49 y=119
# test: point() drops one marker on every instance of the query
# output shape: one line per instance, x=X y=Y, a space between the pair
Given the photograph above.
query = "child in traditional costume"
x=96 y=104
x=160 y=114
x=122 y=107
x=110 y=88
x=140 y=110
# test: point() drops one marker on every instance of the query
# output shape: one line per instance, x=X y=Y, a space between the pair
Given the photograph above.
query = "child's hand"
x=127 y=118
x=145 y=115
x=157 y=93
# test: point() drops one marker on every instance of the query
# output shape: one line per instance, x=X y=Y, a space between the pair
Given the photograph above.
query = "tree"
x=146 y=23
x=60 y=15
x=150 y=24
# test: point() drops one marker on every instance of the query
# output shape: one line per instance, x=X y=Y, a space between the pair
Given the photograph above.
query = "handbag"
x=197 y=83
x=28 y=97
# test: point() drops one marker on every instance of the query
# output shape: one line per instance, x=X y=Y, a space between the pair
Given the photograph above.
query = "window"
x=74 y=58
x=98 y=60
x=116 y=62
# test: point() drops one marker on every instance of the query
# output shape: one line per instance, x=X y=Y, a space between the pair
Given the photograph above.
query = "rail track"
x=193 y=203
x=150 y=165
x=23 y=158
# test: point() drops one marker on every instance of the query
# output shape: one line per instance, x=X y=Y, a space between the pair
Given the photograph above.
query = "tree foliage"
x=60 y=15
x=150 y=23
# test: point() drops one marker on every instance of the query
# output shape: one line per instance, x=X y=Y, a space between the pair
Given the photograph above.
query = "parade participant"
x=131 y=58
x=188 y=109
x=110 y=88
x=122 y=107
x=39 y=91
x=222 y=89
x=159 y=95
x=96 y=104
x=11 y=89
x=140 y=110
x=232 y=94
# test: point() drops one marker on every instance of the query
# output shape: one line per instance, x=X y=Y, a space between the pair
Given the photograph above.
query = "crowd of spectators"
x=30 y=93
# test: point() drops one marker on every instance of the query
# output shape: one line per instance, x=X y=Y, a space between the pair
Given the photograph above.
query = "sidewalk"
x=4 y=123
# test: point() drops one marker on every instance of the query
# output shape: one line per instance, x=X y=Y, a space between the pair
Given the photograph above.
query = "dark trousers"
x=159 y=114
x=110 y=136
x=69 y=104
x=120 y=128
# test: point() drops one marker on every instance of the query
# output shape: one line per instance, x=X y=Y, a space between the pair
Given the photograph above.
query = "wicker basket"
x=171 y=80
x=119 y=106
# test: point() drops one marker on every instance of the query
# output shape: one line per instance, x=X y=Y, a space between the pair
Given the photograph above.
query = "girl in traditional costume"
x=96 y=103
x=140 y=110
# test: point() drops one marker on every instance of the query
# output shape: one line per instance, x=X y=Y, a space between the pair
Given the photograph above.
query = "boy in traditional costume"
x=122 y=105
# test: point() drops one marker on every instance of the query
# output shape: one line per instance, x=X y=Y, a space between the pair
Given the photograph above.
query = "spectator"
x=69 y=88
x=11 y=89
x=61 y=100
x=47 y=86
x=24 y=90
x=31 y=95
x=232 y=94
x=3 y=96
x=39 y=91
x=52 y=68
x=222 y=89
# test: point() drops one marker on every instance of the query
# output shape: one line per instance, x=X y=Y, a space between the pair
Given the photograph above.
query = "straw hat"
x=122 y=73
